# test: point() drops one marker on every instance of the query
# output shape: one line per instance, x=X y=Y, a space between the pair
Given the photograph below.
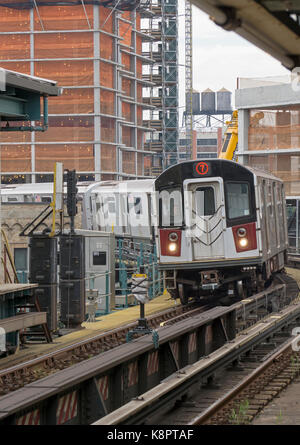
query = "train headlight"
x=173 y=237
x=172 y=247
x=170 y=242
x=243 y=242
x=241 y=232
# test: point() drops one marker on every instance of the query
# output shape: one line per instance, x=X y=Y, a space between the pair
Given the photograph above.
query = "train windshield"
x=238 y=202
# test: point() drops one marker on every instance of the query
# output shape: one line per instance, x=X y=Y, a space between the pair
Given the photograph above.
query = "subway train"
x=226 y=228
x=41 y=192
x=218 y=226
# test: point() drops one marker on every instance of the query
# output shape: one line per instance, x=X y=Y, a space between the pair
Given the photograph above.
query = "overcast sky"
x=219 y=56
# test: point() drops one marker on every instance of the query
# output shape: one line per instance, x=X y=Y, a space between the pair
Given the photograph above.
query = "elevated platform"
x=102 y=324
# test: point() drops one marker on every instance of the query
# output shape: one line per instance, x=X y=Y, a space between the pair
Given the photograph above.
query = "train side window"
x=28 y=198
x=135 y=202
x=238 y=199
x=138 y=205
x=46 y=199
x=110 y=203
x=276 y=213
x=205 y=201
x=170 y=208
x=270 y=201
x=291 y=212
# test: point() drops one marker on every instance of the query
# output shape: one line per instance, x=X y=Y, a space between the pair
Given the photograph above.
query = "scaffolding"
x=95 y=54
x=162 y=74
x=188 y=79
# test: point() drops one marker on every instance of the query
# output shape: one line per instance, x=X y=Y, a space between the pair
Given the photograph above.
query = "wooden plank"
x=23 y=321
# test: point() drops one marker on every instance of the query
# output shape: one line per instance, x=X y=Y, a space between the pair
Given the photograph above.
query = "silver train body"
x=233 y=230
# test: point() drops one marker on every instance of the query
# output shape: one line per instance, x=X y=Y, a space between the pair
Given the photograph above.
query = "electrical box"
x=72 y=279
x=100 y=267
x=43 y=270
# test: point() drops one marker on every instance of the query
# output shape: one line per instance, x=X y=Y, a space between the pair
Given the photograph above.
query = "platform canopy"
x=20 y=95
x=272 y=25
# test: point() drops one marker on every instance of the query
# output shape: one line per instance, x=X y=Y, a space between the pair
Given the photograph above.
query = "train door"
x=265 y=233
x=204 y=205
x=293 y=213
x=106 y=212
x=123 y=214
x=139 y=215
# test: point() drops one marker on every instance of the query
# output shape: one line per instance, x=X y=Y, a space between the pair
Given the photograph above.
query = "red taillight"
x=245 y=237
x=170 y=242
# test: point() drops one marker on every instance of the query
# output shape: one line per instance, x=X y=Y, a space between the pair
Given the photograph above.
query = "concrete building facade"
x=207 y=143
x=269 y=130
x=96 y=125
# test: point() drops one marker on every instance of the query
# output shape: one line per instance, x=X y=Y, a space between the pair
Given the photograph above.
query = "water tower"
x=214 y=106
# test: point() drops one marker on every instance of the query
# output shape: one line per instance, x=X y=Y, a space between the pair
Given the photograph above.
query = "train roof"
x=38 y=188
x=139 y=185
x=263 y=174
x=207 y=168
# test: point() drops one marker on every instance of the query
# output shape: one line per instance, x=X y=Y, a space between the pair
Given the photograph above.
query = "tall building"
x=207 y=143
x=95 y=54
x=269 y=127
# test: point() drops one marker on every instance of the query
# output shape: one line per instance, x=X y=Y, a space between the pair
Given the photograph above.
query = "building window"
x=207 y=141
x=21 y=263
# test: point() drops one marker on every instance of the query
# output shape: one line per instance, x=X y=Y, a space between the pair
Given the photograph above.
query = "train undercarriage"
x=196 y=285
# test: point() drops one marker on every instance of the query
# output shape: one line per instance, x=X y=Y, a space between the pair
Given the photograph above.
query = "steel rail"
x=114 y=334
x=137 y=411
x=108 y=362
x=84 y=373
x=230 y=396
x=242 y=309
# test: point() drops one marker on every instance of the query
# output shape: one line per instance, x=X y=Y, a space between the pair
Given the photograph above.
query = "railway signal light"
x=71 y=192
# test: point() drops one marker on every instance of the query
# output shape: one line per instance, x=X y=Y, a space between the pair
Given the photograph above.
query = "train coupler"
x=209 y=280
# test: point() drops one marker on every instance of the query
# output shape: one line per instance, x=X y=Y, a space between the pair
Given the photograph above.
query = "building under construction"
x=94 y=51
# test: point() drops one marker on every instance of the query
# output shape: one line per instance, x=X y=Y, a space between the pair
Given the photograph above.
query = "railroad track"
x=192 y=391
x=104 y=383
x=21 y=374
x=222 y=400
x=254 y=392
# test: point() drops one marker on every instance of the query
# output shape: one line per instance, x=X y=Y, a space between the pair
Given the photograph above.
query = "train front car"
x=218 y=228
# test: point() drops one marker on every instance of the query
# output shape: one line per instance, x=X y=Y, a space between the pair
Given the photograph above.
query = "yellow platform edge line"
x=124 y=316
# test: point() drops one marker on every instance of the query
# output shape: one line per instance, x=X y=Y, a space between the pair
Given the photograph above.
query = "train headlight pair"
x=242 y=234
